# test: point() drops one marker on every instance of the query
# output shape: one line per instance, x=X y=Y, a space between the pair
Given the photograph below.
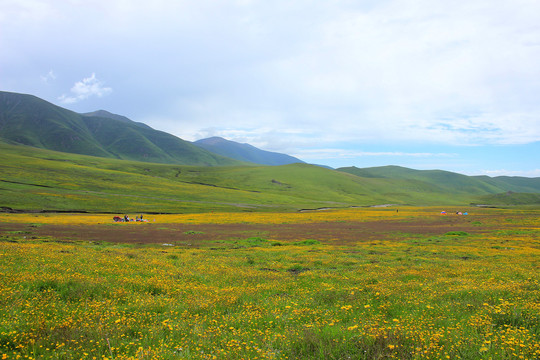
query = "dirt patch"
x=200 y=235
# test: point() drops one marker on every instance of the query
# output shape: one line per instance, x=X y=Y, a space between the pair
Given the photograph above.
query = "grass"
x=37 y=179
x=407 y=214
x=456 y=296
x=510 y=199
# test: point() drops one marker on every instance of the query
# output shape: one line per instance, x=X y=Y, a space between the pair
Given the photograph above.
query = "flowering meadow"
x=458 y=295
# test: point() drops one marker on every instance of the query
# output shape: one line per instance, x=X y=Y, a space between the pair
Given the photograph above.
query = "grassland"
x=34 y=179
x=456 y=295
x=37 y=179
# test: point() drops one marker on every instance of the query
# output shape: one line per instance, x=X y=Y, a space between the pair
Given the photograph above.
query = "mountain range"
x=28 y=120
x=28 y=124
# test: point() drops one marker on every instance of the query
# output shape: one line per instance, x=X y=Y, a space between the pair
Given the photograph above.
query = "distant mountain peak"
x=213 y=140
x=245 y=152
x=108 y=115
x=104 y=113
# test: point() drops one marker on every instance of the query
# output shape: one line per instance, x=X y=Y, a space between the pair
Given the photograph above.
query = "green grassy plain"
x=42 y=180
x=458 y=295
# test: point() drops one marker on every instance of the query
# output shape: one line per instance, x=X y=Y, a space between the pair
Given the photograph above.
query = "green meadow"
x=238 y=272
x=42 y=180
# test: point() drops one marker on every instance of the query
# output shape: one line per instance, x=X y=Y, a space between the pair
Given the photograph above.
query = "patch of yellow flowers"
x=474 y=297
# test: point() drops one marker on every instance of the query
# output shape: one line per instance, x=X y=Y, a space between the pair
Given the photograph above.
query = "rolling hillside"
x=451 y=182
x=108 y=163
x=106 y=114
x=513 y=183
x=39 y=179
x=28 y=120
x=245 y=152
x=502 y=190
x=509 y=198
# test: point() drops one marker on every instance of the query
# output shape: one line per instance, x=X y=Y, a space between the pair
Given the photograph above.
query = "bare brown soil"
x=206 y=234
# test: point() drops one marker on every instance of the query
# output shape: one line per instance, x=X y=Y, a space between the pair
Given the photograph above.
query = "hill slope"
x=28 y=120
x=513 y=183
x=509 y=198
x=38 y=179
x=481 y=189
x=106 y=114
x=245 y=152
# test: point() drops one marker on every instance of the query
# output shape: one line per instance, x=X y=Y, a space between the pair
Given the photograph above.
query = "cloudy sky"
x=426 y=84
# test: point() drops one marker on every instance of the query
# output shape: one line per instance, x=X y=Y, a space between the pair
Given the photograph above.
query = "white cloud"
x=50 y=76
x=460 y=72
x=406 y=66
x=352 y=154
x=285 y=75
x=84 y=89
x=26 y=11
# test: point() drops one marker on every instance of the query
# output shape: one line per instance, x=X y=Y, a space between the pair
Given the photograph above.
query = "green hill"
x=509 y=198
x=106 y=114
x=513 y=183
x=28 y=120
x=39 y=179
x=479 y=189
x=447 y=181
x=106 y=162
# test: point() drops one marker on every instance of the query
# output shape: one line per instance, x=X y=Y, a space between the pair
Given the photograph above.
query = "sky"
x=425 y=84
